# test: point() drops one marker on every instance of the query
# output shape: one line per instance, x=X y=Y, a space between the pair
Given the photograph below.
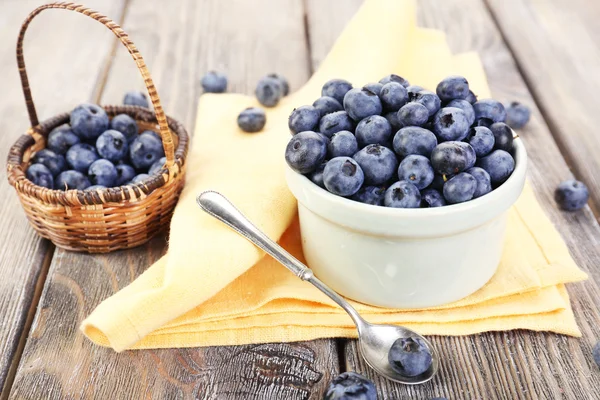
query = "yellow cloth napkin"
x=215 y=288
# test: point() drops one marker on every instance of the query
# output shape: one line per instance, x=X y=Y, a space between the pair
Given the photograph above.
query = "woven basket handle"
x=165 y=134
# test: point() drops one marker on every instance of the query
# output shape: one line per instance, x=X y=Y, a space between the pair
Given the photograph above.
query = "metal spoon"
x=374 y=340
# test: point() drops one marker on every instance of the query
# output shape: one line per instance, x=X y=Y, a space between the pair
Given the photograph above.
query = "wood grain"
x=556 y=48
x=180 y=41
x=58 y=81
x=517 y=364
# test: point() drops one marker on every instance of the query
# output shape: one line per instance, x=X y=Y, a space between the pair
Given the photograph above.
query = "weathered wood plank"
x=180 y=40
x=516 y=365
x=55 y=61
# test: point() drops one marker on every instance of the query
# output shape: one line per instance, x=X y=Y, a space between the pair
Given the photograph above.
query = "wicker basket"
x=102 y=220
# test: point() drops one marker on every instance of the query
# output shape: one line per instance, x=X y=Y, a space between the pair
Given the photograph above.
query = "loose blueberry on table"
x=214 y=82
x=252 y=119
x=350 y=386
x=393 y=144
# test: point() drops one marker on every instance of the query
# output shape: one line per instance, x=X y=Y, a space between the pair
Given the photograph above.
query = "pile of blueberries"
x=398 y=145
x=93 y=151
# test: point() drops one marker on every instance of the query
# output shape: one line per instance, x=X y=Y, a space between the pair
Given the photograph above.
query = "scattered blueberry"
x=374 y=87
x=135 y=98
x=378 y=164
x=61 y=139
x=305 y=118
x=460 y=188
x=335 y=122
x=269 y=91
x=336 y=88
x=157 y=166
x=596 y=354
x=112 y=145
x=54 y=162
x=417 y=170
x=370 y=195
x=126 y=125
x=503 y=136
x=342 y=144
x=145 y=150
x=88 y=121
x=71 y=179
x=140 y=178
x=393 y=96
x=412 y=91
x=373 y=130
x=499 y=164
x=102 y=172
x=214 y=82
x=484 y=182
x=392 y=118
x=466 y=107
x=327 y=105
x=285 y=86
x=125 y=173
x=414 y=140
x=361 y=103
x=394 y=78
x=517 y=115
x=413 y=114
x=252 y=119
x=450 y=124
x=317 y=175
x=490 y=109
x=571 y=195
x=402 y=194
x=40 y=175
x=81 y=156
x=429 y=100
x=343 y=176
x=350 y=386
x=305 y=152
x=482 y=140
x=471 y=98
x=432 y=198
x=453 y=87
x=449 y=158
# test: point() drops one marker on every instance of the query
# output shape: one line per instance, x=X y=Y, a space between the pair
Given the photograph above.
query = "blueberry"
x=373 y=130
x=88 y=121
x=316 y=176
x=484 y=183
x=342 y=144
x=61 y=139
x=414 y=140
x=140 y=178
x=374 y=87
x=361 y=103
x=571 y=195
x=466 y=107
x=453 y=87
x=392 y=118
x=81 y=156
x=499 y=164
x=71 y=179
x=268 y=91
x=145 y=150
x=252 y=119
x=596 y=354
x=335 y=122
x=490 y=109
x=378 y=163
x=413 y=114
x=484 y=122
x=394 y=78
x=450 y=124
x=305 y=152
x=126 y=125
x=402 y=194
x=285 y=86
x=95 y=187
x=482 y=140
x=125 y=173
x=393 y=96
x=503 y=136
x=438 y=182
x=157 y=166
x=54 y=162
x=327 y=105
x=450 y=158
x=135 y=98
x=304 y=118
x=470 y=152
x=214 y=82
x=112 y=145
x=350 y=386
x=40 y=175
x=343 y=176
x=460 y=188
x=370 y=195
x=432 y=198
x=102 y=172
x=336 y=88
x=416 y=170
x=471 y=98
x=517 y=115
x=152 y=133
x=412 y=91
x=429 y=100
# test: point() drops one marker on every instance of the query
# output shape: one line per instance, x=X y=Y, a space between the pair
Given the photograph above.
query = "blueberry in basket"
x=94 y=152
x=392 y=144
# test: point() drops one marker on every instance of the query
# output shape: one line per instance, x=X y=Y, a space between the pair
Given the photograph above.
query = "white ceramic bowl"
x=405 y=258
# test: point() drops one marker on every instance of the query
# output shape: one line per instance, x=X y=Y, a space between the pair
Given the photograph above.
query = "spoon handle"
x=219 y=207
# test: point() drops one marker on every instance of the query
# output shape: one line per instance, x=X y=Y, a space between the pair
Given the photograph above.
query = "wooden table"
x=543 y=53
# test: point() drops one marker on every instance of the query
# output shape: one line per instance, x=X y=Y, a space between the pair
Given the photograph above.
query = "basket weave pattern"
x=109 y=219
